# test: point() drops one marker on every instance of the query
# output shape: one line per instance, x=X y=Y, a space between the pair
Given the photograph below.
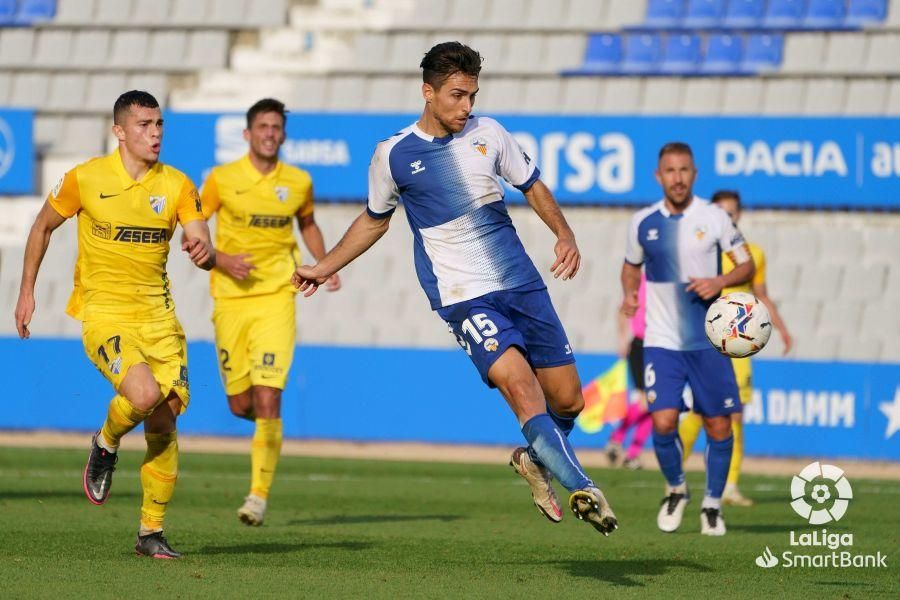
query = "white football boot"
x=672 y=509
x=253 y=512
x=540 y=482
x=712 y=522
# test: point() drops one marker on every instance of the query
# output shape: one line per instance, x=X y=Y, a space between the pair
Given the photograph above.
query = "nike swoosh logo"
x=105 y=196
x=239 y=192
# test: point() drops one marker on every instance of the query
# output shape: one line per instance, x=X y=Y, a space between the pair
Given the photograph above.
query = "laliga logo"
x=7 y=147
x=820 y=493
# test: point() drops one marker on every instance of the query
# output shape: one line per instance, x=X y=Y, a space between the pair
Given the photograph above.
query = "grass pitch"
x=342 y=528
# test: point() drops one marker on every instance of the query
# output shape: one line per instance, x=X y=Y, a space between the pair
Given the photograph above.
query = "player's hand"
x=787 y=341
x=24 y=311
x=707 y=288
x=235 y=265
x=568 y=259
x=307 y=280
x=200 y=253
x=630 y=304
x=333 y=284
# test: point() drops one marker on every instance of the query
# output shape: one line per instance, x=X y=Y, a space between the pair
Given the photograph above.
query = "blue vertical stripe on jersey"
x=658 y=236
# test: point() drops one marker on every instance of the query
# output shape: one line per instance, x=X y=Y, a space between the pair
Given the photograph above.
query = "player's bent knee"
x=718 y=428
x=665 y=422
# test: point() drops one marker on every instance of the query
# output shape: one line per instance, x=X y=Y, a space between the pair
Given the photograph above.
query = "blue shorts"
x=485 y=327
x=709 y=374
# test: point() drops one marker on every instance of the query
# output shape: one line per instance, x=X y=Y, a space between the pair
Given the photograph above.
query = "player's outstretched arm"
x=631 y=282
x=38 y=240
x=362 y=234
x=710 y=287
x=568 y=258
x=315 y=243
x=197 y=244
x=761 y=291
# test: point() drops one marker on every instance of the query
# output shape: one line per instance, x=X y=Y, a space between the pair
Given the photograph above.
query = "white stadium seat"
x=783 y=96
x=129 y=48
x=29 y=89
x=67 y=92
x=824 y=97
x=581 y=95
x=151 y=12
x=742 y=96
x=90 y=48
x=702 y=96
x=52 y=48
x=112 y=12
x=662 y=96
x=845 y=53
x=167 y=50
x=882 y=51
x=74 y=12
x=620 y=95
x=863 y=283
x=865 y=97
x=803 y=52
x=16 y=47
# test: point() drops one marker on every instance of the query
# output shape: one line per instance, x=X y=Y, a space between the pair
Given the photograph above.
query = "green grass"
x=342 y=528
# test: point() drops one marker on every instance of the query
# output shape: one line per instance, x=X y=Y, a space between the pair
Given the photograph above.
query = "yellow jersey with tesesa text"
x=255 y=214
x=124 y=228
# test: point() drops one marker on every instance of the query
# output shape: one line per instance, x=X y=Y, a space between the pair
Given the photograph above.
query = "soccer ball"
x=738 y=325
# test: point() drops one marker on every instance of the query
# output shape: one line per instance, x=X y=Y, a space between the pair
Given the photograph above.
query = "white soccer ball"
x=738 y=325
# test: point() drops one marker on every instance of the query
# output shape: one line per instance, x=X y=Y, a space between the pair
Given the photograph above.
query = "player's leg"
x=514 y=378
x=270 y=339
x=744 y=376
x=642 y=428
x=715 y=397
x=689 y=430
x=231 y=326
x=665 y=376
x=159 y=472
x=241 y=405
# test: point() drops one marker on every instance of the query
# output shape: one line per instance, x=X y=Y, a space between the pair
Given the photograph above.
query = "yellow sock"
x=121 y=418
x=688 y=431
x=737 y=454
x=264 y=456
x=158 y=475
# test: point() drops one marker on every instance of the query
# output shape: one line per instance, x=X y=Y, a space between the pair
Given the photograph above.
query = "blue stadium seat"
x=784 y=14
x=34 y=11
x=724 y=52
x=744 y=13
x=703 y=14
x=642 y=53
x=682 y=54
x=762 y=53
x=824 y=14
x=864 y=12
x=603 y=54
x=7 y=12
x=664 y=13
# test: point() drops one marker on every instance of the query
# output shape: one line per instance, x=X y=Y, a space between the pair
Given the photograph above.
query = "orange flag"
x=605 y=398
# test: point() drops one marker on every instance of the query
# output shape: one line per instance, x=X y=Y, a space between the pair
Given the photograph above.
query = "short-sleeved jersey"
x=674 y=248
x=124 y=228
x=465 y=245
x=759 y=277
x=255 y=215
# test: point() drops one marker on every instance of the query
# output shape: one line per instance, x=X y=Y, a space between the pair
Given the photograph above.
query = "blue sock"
x=669 y=455
x=565 y=424
x=718 y=461
x=550 y=445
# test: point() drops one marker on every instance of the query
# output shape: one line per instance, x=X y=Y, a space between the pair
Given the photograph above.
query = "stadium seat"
x=702 y=96
x=724 y=53
x=186 y=13
x=742 y=96
x=90 y=48
x=603 y=53
x=784 y=14
x=541 y=95
x=621 y=95
x=883 y=48
x=581 y=96
x=865 y=12
x=16 y=47
x=845 y=53
x=863 y=348
x=104 y=88
x=865 y=97
x=29 y=90
x=167 y=50
x=824 y=96
x=703 y=14
x=744 y=14
x=621 y=13
x=824 y=14
x=837 y=317
x=563 y=52
x=82 y=136
x=266 y=13
x=52 y=48
x=7 y=12
x=581 y=15
x=543 y=16
x=67 y=92
x=465 y=15
x=804 y=52
x=497 y=14
x=400 y=47
x=34 y=11
x=522 y=55
x=207 y=49
x=681 y=54
x=344 y=92
x=763 y=53
x=226 y=13
x=74 y=12
x=818 y=282
x=840 y=245
x=642 y=54
x=664 y=13
x=130 y=48
x=112 y=12
x=661 y=96
x=863 y=283
x=892 y=105
x=150 y=12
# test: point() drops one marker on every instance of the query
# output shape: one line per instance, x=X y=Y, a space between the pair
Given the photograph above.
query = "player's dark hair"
x=266 y=105
x=676 y=148
x=449 y=58
x=727 y=195
x=132 y=98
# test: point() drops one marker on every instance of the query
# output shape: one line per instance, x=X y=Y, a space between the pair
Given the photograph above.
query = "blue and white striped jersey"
x=465 y=243
x=674 y=248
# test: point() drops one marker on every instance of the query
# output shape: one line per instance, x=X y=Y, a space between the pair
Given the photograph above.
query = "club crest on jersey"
x=700 y=232
x=158 y=204
x=480 y=145
x=416 y=167
x=281 y=191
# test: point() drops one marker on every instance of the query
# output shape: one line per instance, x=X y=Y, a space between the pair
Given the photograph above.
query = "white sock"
x=101 y=441
x=710 y=502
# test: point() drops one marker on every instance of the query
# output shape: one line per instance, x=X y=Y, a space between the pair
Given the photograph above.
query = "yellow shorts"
x=255 y=340
x=114 y=347
x=743 y=373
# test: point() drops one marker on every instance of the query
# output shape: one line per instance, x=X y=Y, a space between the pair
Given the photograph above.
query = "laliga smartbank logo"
x=820 y=494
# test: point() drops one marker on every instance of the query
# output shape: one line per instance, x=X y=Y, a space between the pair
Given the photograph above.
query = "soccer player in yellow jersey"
x=128 y=204
x=256 y=199
x=689 y=428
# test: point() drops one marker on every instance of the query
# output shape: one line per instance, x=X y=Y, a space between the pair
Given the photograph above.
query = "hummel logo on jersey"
x=105 y=196
x=652 y=235
x=417 y=167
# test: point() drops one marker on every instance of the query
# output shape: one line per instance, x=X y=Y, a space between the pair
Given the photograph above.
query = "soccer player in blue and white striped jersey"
x=446 y=167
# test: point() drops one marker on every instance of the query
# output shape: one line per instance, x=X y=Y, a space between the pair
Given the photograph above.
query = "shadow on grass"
x=281 y=548
x=367 y=519
x=625 y=572
x=36 y=495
